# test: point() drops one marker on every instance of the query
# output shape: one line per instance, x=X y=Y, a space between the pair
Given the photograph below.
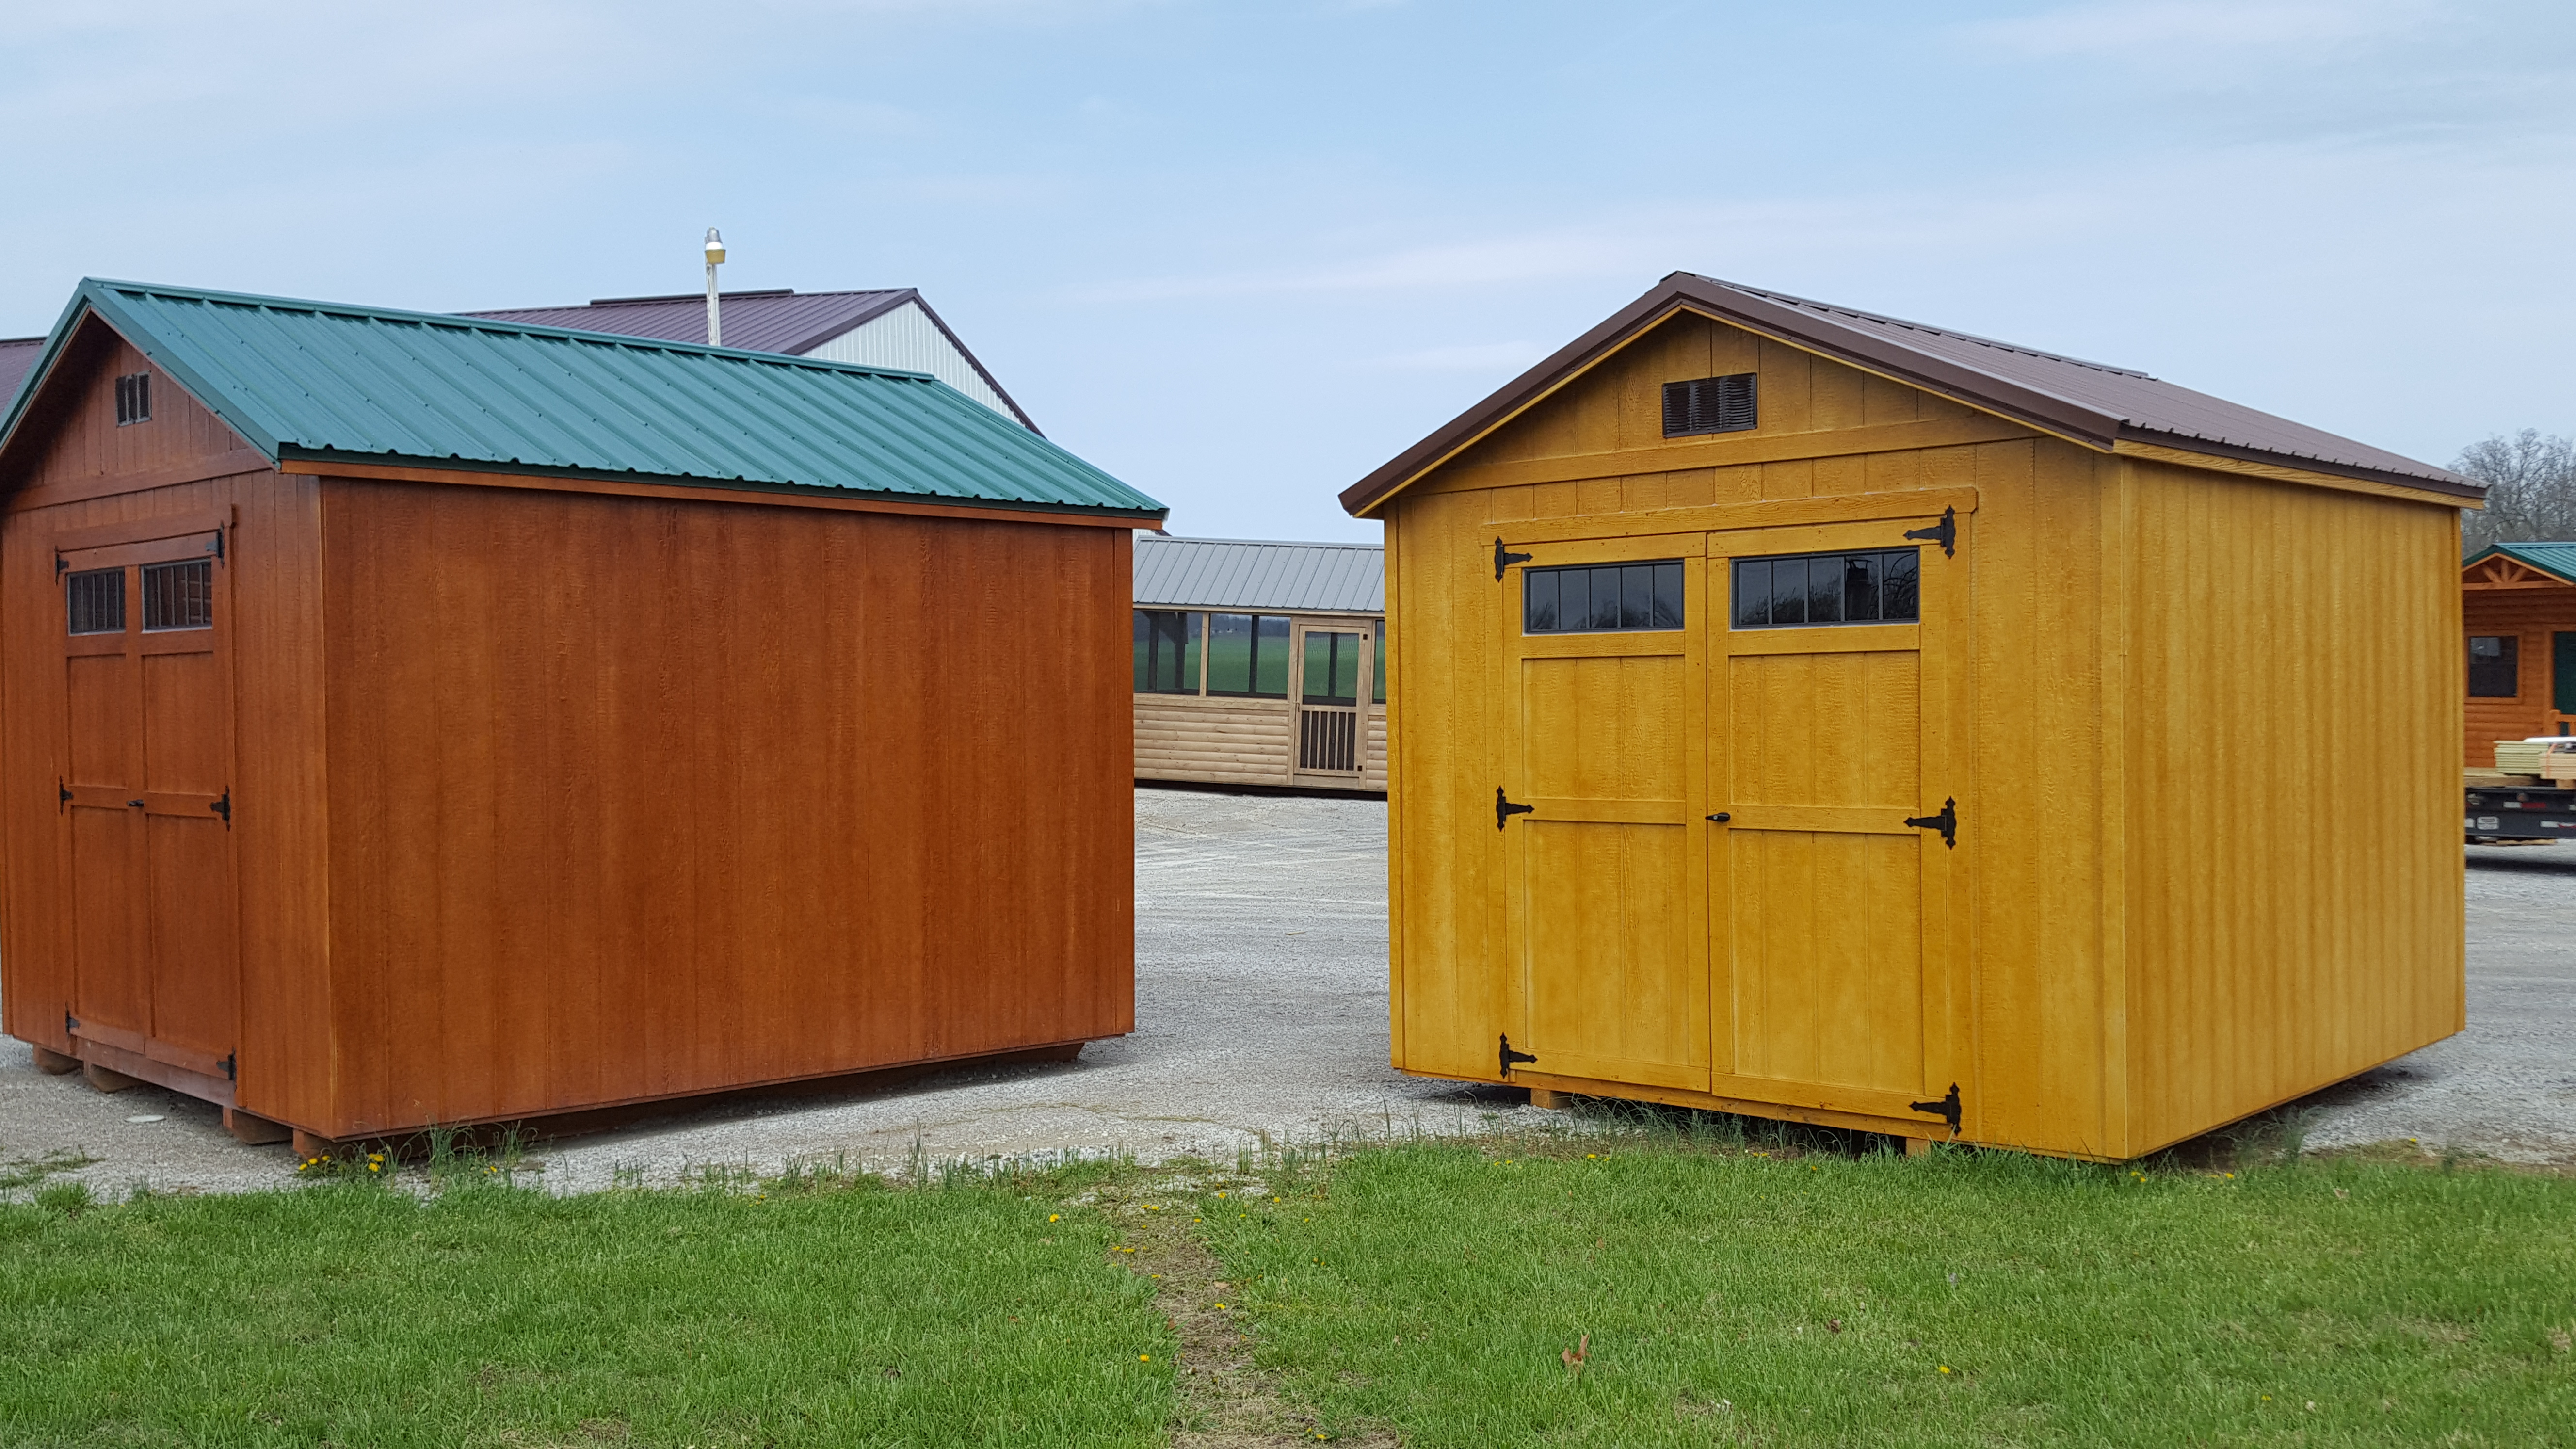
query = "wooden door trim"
x=141 y=530
x=1741 y=517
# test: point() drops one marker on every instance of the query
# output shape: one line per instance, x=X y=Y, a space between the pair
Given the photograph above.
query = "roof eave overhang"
x=314 y=460
x=2498 y=550
x=2047 y=412
x=2471 y=494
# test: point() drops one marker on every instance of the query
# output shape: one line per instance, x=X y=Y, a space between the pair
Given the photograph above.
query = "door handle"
x=137 y=804
x=1721 y=817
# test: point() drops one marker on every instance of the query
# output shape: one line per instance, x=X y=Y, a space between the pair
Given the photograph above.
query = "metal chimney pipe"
x=715 y=259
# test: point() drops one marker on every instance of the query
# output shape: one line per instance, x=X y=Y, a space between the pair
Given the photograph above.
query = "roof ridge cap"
x=1792 y=299
x=470 y=323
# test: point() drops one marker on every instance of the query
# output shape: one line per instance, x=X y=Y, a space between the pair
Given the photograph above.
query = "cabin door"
x=1605 y=918
x=1839 y=812
x=146 y=802
x=1333 y=662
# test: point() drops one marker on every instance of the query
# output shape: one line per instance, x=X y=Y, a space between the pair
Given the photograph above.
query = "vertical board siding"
x=2294 y=879
x=907 y=338
x=636 y=799
x=1448 y=926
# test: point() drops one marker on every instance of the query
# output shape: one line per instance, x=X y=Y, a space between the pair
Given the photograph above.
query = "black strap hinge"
x=1947 y=1108
x=227 y=1065
x=1947 y=822
x=1944 y=533
x=224 y=807
x=62 y=565
x=1504 y=560
x=62 y=795
x=1505 y=809
x=217 y=547
x=1510 y=1056
x=71 y=1023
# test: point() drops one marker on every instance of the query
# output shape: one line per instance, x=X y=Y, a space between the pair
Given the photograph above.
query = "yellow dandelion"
x=1144 y=1358
x=1945 y=1368
x=1051 y=1217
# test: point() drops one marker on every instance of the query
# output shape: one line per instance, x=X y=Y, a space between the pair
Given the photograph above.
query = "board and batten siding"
x=2160 y=657
x=907 y=338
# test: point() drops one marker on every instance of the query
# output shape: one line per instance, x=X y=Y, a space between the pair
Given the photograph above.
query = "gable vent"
x=134 y=398
x=1709 y=405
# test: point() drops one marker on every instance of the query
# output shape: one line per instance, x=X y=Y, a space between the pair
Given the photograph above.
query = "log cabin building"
x=1260 y=664
x=1810 y=714
x=413 y=719
x=2518 y=605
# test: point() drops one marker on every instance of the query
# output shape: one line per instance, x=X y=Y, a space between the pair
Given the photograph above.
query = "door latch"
x=1944 y=533
x=1721 y=817
x=1503 y=560
x=1505 y=809
x=1947 y=822
x=1946 y=1108
x=1510 y=1056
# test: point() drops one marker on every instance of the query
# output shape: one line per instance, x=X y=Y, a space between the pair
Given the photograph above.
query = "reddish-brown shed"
x=415 y=720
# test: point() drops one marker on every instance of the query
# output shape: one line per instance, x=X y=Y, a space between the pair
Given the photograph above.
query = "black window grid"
x=1615 y=598
x=1847 y=586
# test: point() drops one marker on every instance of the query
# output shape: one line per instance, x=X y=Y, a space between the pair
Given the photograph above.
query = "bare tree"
x=2531 y=489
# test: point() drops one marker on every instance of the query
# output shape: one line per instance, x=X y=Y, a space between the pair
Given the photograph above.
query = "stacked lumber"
x=2519 y=757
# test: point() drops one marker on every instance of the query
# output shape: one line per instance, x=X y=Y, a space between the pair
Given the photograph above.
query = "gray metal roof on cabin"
x=17 y=356
x=778 y=320
x=1234 y=573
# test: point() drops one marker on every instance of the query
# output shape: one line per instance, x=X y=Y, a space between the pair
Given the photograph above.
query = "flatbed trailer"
x=2519 y=807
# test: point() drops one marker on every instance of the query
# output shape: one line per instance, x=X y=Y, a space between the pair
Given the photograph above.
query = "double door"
x=1731 y=815
x=145 y=801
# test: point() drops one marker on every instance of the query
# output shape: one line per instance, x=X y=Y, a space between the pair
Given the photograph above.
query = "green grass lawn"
x=357 y=1316
x=1972 y=1298
x=1431 y=1291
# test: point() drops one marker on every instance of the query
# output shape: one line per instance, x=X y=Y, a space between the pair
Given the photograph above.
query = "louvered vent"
x=1709 y=405
x=134 y=398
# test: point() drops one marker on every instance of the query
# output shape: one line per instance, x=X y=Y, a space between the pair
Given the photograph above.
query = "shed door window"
x=95 y=601
x=2494 y=666
x=1883 y=586
x=179 y=595
x=1167 y=652
x=1247 y=655
x=1610 y=598
x=1377 y=693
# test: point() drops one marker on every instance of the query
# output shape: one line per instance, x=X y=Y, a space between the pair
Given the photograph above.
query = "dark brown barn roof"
x=2090 y=402
x=780 y=320
x=17 y=354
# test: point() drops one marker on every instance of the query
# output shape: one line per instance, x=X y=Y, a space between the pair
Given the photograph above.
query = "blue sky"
x=1241 y=254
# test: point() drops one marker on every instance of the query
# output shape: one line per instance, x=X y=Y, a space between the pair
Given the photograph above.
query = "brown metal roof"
x=2091 y=402
x=779 y=320
x=17 y=354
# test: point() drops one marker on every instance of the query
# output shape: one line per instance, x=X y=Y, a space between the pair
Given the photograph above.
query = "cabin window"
x=2495 y=669
x=134 y=398
x=95 y=599
x=1882 y=586
x=1608 y=598
x=1378 y=691
x=1709 y=405
x=1332 y=667
x=1167 y=652
x=179 y=595
x=1247 y=655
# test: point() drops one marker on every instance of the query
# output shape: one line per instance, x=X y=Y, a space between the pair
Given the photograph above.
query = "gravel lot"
x=1261 y=1007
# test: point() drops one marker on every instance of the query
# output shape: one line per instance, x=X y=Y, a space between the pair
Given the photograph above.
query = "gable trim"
x=2496 y=567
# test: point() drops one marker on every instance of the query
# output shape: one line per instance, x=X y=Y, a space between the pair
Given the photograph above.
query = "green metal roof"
x=2550 y=558
x=315 y=380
